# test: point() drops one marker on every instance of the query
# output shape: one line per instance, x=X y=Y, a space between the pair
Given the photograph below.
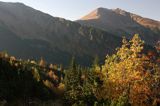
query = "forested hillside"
x=128 y=77
x=26 y=81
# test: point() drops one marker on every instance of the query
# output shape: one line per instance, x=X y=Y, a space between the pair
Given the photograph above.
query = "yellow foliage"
x=128 y=71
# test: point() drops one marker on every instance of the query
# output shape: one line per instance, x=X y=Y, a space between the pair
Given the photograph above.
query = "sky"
x=75 y=9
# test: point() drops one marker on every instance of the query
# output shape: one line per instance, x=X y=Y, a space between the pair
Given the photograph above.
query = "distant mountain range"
x=29 y=33
x=122 y=23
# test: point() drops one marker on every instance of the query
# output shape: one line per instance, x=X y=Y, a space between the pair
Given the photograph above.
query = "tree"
x=129 y=72
x=42 y=62
x=95 y=62
x=89 y=85
x=73 y=88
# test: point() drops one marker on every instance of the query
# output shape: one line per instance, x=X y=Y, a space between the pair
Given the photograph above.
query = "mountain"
x=122 y=23
x=29 y=33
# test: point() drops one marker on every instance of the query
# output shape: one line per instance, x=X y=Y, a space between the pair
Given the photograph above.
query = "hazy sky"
x=74 y=9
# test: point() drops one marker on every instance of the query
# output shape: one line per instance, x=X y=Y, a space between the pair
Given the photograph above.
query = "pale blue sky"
x=75 y=9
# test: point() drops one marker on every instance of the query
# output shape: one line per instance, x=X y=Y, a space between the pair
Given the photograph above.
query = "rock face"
x=122 y=23
x=29 y=33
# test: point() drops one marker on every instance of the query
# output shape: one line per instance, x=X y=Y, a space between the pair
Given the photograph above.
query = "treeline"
x=129 y=77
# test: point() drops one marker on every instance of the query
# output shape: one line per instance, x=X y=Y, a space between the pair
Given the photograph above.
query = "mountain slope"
x=24 y=81
x=120 y=22
x=29 y=33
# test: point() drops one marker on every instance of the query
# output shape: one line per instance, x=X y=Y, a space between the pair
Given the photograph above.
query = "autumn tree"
x=42 y=62
x=129 y=74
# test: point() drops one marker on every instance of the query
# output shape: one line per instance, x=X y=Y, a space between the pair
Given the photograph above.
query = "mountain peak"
x=121 y=22
x=104 y=12
x=97 y=13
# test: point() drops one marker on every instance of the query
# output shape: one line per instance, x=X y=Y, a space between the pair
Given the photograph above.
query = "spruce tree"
x=73 y=88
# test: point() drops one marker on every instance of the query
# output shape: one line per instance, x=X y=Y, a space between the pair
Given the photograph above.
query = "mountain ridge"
x=120 y=22
x=29 y=33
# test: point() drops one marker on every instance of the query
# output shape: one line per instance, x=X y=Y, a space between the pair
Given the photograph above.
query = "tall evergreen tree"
x=73 y=88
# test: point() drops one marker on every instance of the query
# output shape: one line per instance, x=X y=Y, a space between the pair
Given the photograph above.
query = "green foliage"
x=73 y=86
x=80 y=84
x=122 y=101
x=36 y=74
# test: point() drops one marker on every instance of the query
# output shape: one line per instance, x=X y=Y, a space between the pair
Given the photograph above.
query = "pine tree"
x=73 y=88
x=95 y=62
